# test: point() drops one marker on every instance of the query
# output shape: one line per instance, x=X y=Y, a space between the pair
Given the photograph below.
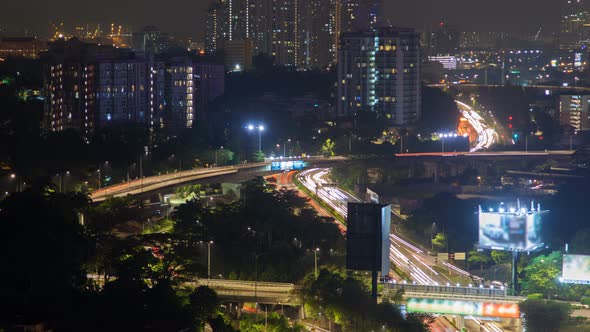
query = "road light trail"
x=486 y=136
x=404 y=255
x=315 y=180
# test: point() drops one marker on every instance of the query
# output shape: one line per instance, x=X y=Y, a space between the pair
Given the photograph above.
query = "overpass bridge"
x=452 y=292
x=153 y=183
x=251 y=291
x=286 y=293
x=493 y=155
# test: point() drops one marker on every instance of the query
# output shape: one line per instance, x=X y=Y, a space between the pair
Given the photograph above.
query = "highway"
x=160 y=181
x=495 y=154
x=409 y=258
x=486 y=135
x=412 y=260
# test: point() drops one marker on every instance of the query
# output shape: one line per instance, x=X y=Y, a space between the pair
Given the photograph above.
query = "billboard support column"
x=374 y=285
x=514 y=272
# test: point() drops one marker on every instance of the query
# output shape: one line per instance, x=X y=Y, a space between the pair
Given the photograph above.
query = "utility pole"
x=209 y=259
x=141 y=171
x=315 y=253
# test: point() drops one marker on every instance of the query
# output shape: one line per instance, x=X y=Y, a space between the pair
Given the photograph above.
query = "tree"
x=440 y=241
x=203 y=304
x=501 y=257
x=327 y=149
x=542 y=273
x=346 y=301
x=44 y=250
x=544 y=316
x=257 y=156
x=581 y=242
x=478 y=257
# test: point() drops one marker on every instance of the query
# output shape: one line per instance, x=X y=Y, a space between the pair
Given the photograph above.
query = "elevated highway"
x=251 y=291
x=286 y=293
x=153 y=183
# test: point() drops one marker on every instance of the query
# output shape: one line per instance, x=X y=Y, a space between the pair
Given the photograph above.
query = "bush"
x=585 y=300
x=535 y=296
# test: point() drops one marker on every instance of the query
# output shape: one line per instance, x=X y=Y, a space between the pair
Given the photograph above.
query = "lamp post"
x=98 y=172
x=209 y=259
x=65 y=186
x=432 y=236
x=16 y=188
x=217 y=150
x=315 y=254
x=285 y=148
x=59 y=181
x=260 y=129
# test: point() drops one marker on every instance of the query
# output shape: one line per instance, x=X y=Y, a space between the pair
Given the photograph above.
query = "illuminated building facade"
x=150 y=40
x=379 y=71
x=300 y=33
x=574 y=24
x=573 y=111
x=238 y=54
x=178 y=110
x=88 y=87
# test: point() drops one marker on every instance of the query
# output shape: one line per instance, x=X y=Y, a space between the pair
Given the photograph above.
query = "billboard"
x=465 y=308
x=513 y=231
x=367 y=237
x=286 y=165
x=576 y=269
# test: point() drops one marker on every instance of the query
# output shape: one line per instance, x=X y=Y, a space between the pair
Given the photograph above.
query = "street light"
x=217 y=150
x=315 y=253
x=260 y=129
x=285 y=148
x=209 y=259
x=432 y=236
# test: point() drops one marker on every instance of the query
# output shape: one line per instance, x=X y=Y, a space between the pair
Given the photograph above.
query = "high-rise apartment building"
x=88 y=87
x=444 y=39
x=300 y=33
x=150 y=40
x=379 y=70
x=575 y=21
x=286 y=32
x=574 y=111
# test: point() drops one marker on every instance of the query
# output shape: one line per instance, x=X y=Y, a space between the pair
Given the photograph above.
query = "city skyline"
x=187 y=20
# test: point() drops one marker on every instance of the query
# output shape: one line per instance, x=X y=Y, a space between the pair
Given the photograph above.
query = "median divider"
x=315 y=198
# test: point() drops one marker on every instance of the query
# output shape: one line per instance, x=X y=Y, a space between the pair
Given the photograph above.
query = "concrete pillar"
x=459 y=322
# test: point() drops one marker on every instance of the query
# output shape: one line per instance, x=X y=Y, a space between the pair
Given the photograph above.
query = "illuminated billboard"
x=465 y=308
x=286 y=165
x=576 y=269
x=513 y=230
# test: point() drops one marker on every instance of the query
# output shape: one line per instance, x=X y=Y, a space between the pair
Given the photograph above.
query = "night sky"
x=185 y=18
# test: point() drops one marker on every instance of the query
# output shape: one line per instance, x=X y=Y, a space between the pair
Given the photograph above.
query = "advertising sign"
x=510 y=231
x=466 y=308
x=576 y=269
x=367 y=237
x=286 y=165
